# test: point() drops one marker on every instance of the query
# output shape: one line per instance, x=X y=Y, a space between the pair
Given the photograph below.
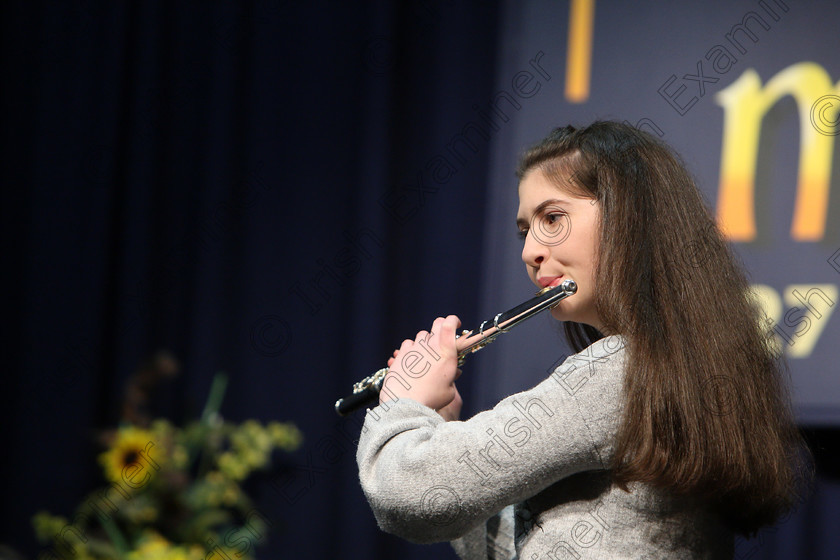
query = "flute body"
x=366 y=392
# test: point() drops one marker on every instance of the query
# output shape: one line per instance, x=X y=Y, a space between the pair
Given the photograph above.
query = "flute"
x=366 y=392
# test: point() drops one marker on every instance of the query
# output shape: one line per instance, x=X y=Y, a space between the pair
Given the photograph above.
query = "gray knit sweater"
x=528 y=479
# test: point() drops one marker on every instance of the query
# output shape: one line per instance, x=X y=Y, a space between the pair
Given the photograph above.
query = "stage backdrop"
x=747 y=93
x=284 y=190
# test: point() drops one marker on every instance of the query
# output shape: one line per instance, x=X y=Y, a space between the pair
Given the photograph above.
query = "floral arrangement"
x=173 y=493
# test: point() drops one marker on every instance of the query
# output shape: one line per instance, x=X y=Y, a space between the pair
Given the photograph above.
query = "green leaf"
x=115 y=535
x=215 y=398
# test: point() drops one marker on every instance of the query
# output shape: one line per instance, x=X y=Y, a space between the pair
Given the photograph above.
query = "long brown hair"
x=706 y=409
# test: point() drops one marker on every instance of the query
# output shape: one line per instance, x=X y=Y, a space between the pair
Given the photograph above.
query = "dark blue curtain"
x=257 y=189
x=250 y=186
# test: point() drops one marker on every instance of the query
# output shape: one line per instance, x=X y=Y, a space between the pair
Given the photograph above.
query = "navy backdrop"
x=279 y=190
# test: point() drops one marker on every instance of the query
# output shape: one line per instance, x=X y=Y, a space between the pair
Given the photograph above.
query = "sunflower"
x=128 y=448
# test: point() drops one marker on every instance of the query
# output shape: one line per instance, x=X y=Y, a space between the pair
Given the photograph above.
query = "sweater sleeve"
x=428 y=480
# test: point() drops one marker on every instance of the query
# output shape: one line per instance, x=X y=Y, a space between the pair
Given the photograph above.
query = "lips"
x=550 y=280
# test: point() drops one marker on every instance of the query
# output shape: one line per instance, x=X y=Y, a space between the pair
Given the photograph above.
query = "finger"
x=445 y=332
x=457 y=375
x=445 y=327
x=433 y=333
x=448 y=326
x=406 y=344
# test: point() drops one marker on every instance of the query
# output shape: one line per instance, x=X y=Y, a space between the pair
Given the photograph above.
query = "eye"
x=552 y=222
x=554 y=217
x=522 y=234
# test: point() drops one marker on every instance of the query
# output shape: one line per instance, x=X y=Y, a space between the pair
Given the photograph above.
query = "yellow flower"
x=230 y=494
x=155 y=547
x=180 y=456
x=47 y=525
x=129 y=447
x=285 y=435
x=231 y=466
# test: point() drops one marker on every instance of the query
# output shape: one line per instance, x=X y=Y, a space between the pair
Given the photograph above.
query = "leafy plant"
x=173 y=493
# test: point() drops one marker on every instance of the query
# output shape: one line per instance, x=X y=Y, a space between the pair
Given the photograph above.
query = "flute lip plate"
x=568 y=285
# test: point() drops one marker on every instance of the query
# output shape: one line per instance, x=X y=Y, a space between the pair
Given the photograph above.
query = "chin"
x=567 y=315
x=559 y=315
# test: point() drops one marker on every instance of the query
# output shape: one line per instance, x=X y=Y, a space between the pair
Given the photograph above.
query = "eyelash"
x=523 y=233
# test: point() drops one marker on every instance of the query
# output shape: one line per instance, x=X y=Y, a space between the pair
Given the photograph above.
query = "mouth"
x=552 y=281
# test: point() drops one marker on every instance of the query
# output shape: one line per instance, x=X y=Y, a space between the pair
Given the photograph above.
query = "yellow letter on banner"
x=745 y=103
x=579 y=51
x=814 y=304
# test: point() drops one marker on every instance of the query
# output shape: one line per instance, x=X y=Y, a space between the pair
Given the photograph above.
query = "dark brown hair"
x=706 y=409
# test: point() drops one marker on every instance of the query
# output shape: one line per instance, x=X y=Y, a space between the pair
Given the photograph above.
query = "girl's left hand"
x=425 y=369
x=452 y=411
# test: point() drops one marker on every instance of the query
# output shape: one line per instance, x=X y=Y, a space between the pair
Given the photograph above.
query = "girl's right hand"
x=425 y=369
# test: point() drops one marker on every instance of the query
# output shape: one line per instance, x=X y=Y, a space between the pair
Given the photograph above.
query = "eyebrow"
x=522 y=222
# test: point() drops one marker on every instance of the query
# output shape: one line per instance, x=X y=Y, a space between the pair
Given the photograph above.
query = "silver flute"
x=366 y=392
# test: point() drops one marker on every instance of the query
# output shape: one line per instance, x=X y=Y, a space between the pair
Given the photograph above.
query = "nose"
x=534 y=252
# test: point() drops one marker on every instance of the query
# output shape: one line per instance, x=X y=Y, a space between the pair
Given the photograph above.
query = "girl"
x=668 y=432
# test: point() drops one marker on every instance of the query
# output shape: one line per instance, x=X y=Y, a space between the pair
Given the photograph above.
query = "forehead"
x=536 y=187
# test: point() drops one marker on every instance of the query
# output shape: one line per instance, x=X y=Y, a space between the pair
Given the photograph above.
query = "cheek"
x=587 y=256
x=571 y=309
